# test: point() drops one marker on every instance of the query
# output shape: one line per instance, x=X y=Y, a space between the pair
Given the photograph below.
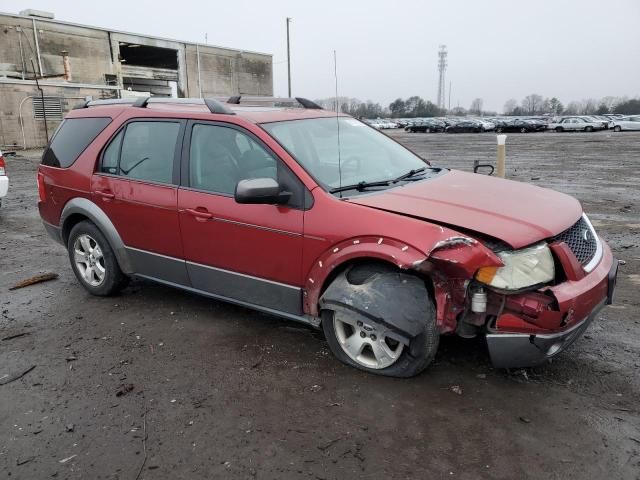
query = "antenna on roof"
x=335 y=71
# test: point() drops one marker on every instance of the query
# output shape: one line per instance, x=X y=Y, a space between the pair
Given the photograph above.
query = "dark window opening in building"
x=147 y=56
x=110 y=79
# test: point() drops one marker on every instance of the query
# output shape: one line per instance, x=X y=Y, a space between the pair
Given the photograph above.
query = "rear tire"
x=344 y=335
x=523 y=130
x=588 y=129
x=93 y=261
x=559 y=129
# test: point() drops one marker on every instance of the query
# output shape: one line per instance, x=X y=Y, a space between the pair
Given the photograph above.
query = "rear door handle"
x=200 y=213
x=107 y=195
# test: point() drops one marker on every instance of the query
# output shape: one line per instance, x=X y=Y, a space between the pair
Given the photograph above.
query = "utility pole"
x=449 y=109
x=288 y=58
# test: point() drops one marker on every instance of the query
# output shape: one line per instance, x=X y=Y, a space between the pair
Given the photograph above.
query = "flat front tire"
x=93 y=261
x=370 y=346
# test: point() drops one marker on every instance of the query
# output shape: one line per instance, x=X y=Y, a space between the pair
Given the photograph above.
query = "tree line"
x=533 y=104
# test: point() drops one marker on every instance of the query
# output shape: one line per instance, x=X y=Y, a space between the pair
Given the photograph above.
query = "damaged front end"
x=527 y=323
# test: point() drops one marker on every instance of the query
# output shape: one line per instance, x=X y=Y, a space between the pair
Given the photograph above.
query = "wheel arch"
x=79 y=209
x=351 y=252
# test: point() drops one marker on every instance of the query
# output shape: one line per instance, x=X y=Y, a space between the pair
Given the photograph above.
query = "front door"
x=136 y=185
x=250 y=254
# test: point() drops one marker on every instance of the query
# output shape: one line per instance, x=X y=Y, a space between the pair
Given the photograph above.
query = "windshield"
x=366 y=155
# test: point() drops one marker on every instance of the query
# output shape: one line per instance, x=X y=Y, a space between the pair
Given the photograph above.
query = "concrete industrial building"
x=71 y=61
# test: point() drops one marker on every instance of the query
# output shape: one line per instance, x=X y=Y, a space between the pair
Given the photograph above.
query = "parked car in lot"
x=485 y=125
x=631 y=122
x=426 y=126
x=362 y=238
x=464 y=126
x=574 y=124
x=519 y=125
x=4 y=180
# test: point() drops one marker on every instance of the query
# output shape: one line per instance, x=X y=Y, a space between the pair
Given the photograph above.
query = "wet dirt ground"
x=219 y=391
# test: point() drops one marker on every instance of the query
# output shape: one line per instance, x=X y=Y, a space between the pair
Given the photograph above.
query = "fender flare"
x=85 y=207
x=387 y=249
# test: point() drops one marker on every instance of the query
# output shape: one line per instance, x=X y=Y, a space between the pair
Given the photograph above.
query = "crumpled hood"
x=517 y=213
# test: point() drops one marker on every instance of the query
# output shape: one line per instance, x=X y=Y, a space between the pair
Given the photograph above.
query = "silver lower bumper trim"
x=519 y=350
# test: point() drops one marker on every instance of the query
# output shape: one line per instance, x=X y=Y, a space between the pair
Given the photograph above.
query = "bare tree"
x=510 y=105
x=476 y=106
x=532 y=104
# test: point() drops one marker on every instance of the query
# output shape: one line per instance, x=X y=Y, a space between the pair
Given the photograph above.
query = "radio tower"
x=442 y=67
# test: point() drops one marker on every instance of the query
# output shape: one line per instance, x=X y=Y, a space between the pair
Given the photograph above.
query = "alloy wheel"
x=89 y=260
x=366 y=345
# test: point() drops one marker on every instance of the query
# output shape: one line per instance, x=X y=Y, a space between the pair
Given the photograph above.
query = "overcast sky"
x=572 y=49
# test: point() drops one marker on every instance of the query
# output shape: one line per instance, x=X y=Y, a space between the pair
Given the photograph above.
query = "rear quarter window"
x=71 y=139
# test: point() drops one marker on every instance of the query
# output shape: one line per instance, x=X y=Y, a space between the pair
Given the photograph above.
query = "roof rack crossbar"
x=214 y=106
x=237 y=100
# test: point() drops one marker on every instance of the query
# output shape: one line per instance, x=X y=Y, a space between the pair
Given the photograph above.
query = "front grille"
x=581 y=240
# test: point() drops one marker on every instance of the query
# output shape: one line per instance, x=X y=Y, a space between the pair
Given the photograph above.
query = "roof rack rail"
x=214 y=106
x=237 y=100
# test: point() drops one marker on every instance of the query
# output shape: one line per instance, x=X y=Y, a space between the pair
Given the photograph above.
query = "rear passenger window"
x=144 y=151
x=71 y=139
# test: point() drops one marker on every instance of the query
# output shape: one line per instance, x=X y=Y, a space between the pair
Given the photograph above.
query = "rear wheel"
x=93 y=260
x=559 y=129
x=588 y=129
x=523 y=130
x=359 y=340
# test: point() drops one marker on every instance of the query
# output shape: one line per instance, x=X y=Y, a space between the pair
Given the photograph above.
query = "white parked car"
x=630 y=122
x=487 y=125
x=4 y=180
x=574 y=124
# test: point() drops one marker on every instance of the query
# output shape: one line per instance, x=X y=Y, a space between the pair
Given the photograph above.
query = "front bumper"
x=581 y=300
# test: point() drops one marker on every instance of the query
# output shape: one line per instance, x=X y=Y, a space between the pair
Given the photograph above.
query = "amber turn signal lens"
x=486 y=274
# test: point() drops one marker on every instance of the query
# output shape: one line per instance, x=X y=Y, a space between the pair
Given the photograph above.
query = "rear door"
x=251 y=254
x=136 y=184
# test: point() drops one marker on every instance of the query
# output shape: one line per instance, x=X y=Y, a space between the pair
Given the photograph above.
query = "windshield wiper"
x=361 y=186
x=409 y=174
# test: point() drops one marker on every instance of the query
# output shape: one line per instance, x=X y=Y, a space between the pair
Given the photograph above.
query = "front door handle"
x=107 y=195
x=200 y=213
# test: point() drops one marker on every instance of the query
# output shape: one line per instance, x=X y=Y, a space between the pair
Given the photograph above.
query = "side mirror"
x=260 y=191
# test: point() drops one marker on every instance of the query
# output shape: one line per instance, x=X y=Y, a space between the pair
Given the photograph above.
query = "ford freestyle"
x=316 y=217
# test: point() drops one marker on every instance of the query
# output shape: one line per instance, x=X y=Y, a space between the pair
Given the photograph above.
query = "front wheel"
x=617 y=128
x=523 y=130
x=93 y=261
x=370 y=336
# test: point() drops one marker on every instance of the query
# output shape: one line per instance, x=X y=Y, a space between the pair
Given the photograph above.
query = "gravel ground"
x=161 y=384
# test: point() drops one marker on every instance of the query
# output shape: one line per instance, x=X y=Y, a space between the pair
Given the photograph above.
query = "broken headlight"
x=522 y=268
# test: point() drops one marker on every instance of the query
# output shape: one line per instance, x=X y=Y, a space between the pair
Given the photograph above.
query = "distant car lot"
x=499 y=124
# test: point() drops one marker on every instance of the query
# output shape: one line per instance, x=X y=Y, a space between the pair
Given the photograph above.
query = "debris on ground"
x=70 y=427
x=124 y=389
x=17 y=335
x=457 y=389
x=12 y=378
x=22 y=461
x=65 y=460
x=525 y=420
x=45 y=277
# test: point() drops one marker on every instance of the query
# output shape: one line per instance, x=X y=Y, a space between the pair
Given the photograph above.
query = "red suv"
x=319 y=218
